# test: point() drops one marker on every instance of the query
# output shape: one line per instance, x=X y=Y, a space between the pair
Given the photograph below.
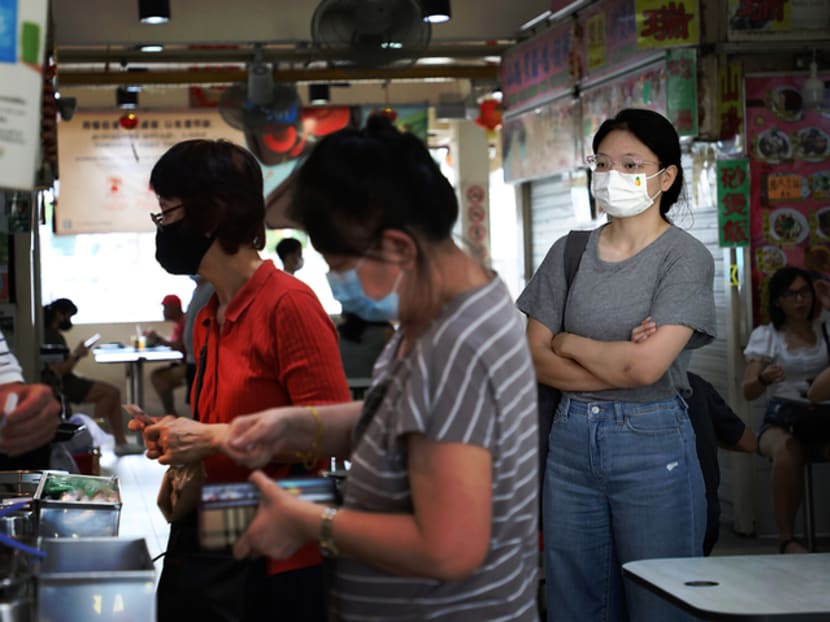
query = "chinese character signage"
x=733 y=202
x=789 y=154
x=681 y=90
x=536 y=69
x=661 y=23
x=22 y=37
x=730 y=100
x=777 y=19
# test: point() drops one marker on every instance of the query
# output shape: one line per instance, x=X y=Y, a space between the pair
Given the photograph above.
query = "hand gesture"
x=643 y=330
x=276 y=531
x=771 y=374
x=252 y=440
x=32 y=423
x=177 y=440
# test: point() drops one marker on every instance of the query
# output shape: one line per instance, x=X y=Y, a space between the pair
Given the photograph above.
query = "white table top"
x=749 y=587
x=131 y=355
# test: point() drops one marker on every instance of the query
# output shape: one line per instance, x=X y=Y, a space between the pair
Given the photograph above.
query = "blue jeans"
x=622 y=482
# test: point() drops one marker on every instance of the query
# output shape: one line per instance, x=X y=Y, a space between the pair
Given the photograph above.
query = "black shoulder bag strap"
x=826 y=339
x=548 y=396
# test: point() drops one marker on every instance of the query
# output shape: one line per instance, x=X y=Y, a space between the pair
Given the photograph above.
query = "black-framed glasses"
x=158 y=218
x=802 y=292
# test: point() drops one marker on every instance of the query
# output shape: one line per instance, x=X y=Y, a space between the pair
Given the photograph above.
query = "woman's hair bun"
x=378 y=122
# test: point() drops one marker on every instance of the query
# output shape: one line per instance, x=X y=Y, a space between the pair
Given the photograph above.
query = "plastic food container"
x=101 y=579
x=73 y=506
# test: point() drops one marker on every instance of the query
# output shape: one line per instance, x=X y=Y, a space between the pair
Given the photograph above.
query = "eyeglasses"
x=626 y=164
x=158 y=218
x=803 y=292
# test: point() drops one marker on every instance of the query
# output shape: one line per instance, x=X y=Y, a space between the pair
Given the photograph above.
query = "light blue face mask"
x=348 y=291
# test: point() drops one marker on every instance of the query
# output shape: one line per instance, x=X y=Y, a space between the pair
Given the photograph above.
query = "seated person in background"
x=77 y=390
x=715 y=424
x=27 y=430
x=782 y=359
x=165 y=379
x=290 y=252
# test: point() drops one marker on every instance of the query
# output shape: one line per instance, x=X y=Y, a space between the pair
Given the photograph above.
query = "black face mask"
x=65 y=325
x=180 y=250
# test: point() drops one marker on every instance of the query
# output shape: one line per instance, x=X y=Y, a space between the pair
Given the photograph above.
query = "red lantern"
x=128 y=121
x=489 y=114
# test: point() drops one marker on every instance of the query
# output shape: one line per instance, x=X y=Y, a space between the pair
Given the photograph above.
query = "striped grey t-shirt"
x=468 y=379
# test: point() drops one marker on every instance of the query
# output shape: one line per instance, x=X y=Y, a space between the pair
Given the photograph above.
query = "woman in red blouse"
x=263 y=340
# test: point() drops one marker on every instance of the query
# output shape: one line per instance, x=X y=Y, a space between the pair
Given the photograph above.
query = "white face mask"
x=623 y=195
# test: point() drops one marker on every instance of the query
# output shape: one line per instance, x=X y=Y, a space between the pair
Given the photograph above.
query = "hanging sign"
x=733 y=202
x=22 y=35
x=681 y=90
x=536 y=69
x=662 y=24
x=780 y=20
x=730 y=99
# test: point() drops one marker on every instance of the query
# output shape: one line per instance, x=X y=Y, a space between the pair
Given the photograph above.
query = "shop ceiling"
x=96 y=43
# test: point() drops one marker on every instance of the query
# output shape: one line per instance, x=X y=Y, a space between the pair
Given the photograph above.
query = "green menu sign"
x=733 y=202
x=681 y=92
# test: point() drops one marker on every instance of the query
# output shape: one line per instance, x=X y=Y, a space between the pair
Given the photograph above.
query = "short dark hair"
x=357 y=183
x=658 y=134
x=780 y=283
x=220 y=187
x=288 y=246
x=60 y=305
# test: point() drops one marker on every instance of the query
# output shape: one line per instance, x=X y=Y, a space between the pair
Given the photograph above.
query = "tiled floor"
x=139 y=479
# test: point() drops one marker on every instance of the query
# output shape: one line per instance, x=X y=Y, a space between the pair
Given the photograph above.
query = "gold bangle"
x=310 y=457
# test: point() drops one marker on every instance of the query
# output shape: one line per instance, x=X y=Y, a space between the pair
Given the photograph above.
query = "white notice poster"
x=105 y=169
x=22 y=36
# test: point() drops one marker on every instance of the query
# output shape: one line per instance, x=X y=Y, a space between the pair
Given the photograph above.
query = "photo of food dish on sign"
x=789 y=158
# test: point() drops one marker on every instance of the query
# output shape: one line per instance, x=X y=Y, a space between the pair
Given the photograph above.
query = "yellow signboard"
x=663 y=23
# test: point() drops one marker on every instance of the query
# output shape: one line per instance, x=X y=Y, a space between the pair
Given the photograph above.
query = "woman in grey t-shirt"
x=622 y=480
x=439 y=514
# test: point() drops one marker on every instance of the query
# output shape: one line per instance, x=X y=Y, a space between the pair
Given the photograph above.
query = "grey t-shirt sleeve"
x=543 y=298
x=684 y=295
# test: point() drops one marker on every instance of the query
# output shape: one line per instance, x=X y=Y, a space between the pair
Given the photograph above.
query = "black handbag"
x=547 y=395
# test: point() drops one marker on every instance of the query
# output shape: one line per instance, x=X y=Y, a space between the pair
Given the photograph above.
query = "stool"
x=809 y=507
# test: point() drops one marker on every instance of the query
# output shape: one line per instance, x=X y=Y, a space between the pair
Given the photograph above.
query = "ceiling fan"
x=260 y=104
x=370 y=33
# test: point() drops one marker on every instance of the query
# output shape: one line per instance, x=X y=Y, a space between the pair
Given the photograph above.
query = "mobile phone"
x=92 y=340
x=136 y=413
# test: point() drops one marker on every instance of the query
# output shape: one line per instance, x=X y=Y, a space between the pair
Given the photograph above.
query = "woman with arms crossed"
x=439 y=519
x=622 y=479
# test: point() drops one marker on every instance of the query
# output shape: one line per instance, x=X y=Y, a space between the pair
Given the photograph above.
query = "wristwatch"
x=327 y=546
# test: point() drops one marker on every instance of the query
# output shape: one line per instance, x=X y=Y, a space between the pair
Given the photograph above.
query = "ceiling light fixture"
x=318 y=94
x=436 y=11
x=126 y=98
x=154 y=11
x=151 y=47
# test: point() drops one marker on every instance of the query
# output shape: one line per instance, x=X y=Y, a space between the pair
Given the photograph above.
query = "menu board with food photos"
x=789 y=154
